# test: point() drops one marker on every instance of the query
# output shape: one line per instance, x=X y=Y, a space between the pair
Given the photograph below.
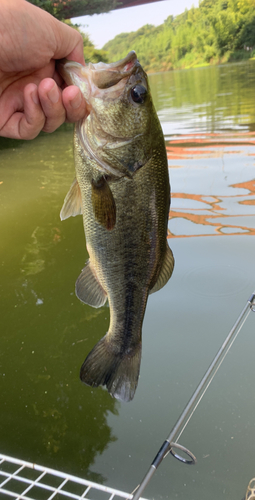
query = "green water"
x=47 y=415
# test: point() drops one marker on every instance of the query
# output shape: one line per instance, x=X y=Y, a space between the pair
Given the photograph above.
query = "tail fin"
x=119 y=371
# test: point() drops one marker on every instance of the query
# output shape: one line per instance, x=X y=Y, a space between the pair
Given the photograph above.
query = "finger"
x=28 y=123
x=74 y=104
x=33 y=118
x=58 y=79
x=51 y=102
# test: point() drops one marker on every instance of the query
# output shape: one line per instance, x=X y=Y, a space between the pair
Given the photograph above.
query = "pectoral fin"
x=103 y=203
x=88 y=288
x=165 y=271
x=72 y=205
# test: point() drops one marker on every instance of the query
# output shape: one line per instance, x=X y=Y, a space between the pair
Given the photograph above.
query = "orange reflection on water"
x=250 y=186
x=212 y=163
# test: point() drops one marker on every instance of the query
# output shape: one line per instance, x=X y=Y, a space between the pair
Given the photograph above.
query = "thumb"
x=69 y=43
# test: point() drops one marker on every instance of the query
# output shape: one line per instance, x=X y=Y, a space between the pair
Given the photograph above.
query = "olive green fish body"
x=122 y=176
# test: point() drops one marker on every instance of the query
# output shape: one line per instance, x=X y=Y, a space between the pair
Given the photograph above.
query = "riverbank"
x=195 y=61
x=217 y=32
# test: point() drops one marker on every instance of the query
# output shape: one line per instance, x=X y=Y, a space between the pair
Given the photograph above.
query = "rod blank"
x=197 y=396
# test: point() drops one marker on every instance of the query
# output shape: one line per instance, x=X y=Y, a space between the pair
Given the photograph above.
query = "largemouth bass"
x=122 y=189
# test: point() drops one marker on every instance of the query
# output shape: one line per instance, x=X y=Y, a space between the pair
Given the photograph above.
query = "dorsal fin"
x=72 y=204
x=165 y=271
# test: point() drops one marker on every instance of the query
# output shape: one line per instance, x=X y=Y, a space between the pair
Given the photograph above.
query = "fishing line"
x=169 y=444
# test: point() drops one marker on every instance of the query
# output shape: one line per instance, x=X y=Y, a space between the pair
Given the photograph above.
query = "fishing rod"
x=171 y=444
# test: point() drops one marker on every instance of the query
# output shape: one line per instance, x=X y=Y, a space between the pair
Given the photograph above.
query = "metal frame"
x=27 y=481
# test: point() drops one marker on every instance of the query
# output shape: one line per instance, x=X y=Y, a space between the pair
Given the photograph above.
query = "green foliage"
x=65 y=9
x=91 y=54
x=217 y=31
x=85 y=37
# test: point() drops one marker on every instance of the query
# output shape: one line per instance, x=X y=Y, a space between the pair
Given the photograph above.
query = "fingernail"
x=34 y=96
x=76 y=102
x=53 y=94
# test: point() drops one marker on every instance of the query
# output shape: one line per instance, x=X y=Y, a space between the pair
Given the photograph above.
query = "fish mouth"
x=95 y=78
x=107 y=75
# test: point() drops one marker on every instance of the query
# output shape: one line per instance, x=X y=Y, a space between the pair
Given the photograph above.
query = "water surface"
x=47 y=415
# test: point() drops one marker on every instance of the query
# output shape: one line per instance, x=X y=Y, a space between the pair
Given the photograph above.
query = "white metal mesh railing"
x=27 y=481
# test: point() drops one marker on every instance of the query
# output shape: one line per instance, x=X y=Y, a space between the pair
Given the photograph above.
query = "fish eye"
x=138 y=94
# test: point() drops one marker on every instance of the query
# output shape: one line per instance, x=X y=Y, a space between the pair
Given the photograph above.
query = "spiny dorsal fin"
x=165 y=271
x=72 y=205
x=103 y=203
x=88 y=288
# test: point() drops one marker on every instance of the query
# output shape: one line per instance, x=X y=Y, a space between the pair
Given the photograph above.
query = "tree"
x=91 y=54
x=65 y=9
x=85 y=37
x=247 y=36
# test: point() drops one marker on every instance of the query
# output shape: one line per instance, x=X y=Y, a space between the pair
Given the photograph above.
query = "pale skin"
x=31 y=94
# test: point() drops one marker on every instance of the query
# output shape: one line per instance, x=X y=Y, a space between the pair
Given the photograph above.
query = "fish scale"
x=124 y=193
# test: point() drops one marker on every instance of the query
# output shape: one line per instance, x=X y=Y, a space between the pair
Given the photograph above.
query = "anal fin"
x=165 y=271
x=88 y=288
x=72 y=204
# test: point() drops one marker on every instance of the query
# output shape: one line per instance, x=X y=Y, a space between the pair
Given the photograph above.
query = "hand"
x=31 y=95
